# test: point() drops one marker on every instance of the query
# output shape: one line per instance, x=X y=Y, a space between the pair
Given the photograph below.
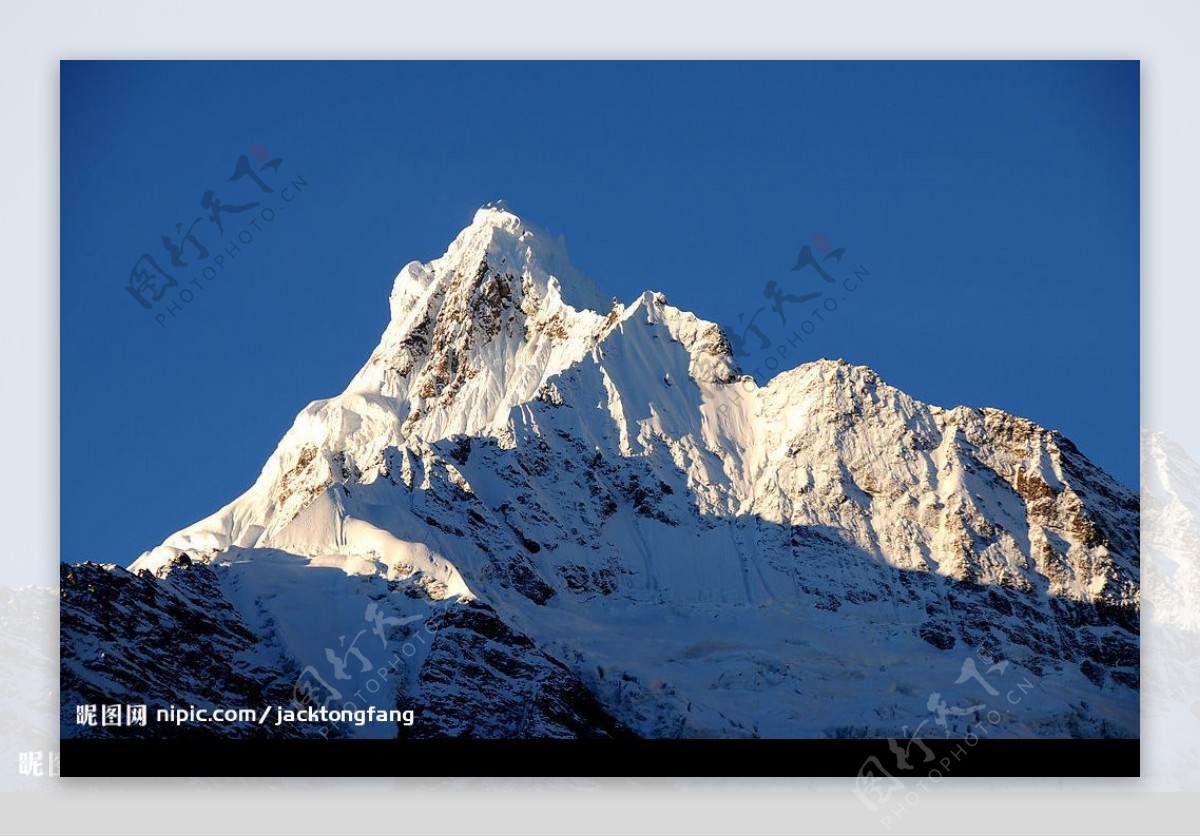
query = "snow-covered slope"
x=702 y=555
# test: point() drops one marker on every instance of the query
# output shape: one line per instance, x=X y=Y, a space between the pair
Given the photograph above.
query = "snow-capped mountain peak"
x=498 y=238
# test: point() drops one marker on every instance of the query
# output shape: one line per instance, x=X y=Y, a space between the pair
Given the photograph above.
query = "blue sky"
x=994 y=205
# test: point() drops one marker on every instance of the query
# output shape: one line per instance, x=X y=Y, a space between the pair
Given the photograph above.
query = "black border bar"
x=537 y=757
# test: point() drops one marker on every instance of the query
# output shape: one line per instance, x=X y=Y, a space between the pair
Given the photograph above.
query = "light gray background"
x=32 y=40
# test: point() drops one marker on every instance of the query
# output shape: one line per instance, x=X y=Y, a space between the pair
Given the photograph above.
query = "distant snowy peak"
x=1171 y=513
x=1169 y=475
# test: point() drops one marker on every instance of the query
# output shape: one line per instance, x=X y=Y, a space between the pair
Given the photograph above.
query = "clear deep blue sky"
x=995 y=206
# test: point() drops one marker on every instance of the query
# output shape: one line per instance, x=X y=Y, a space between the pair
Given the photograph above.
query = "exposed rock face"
x=482 y=679
x=170 y=641
x=612 y=531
